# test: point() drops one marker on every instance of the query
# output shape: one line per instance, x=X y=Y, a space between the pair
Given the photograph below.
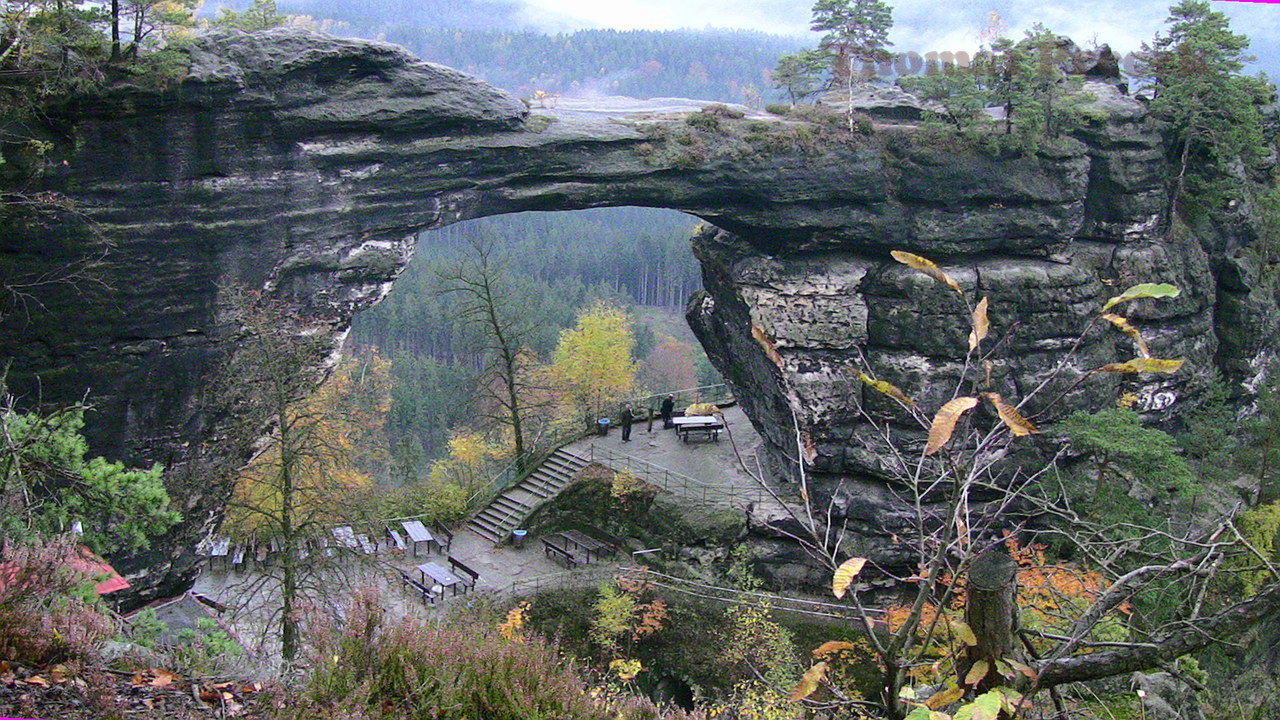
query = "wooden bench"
x=561 y=553
x=464 y=573
x=443 y=536
x=396 y=540
x=429 y=595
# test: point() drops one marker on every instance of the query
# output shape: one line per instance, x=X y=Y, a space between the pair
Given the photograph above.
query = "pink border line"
x=1268 y=2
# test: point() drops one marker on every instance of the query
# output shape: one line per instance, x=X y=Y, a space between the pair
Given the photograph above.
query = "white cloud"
x=783 y=18
x=1122 y=23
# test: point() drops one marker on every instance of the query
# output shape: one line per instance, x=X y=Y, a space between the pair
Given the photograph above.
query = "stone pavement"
x=501 y=568
x=712 y=463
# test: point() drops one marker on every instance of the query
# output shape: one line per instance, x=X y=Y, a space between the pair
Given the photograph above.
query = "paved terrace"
x=507 y=568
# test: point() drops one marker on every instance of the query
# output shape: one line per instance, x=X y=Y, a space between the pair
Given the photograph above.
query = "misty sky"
x=920 y=25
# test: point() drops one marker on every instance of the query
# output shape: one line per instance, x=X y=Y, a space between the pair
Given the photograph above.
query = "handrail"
x=699 y=393
x=508 y=476
x=820 y=608
x=686 y=486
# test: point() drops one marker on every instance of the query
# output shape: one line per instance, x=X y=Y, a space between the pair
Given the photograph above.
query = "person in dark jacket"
x=666 y=410
x=625 y=419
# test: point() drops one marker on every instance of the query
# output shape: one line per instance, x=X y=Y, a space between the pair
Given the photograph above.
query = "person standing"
x=666 y=410
x=625 y=419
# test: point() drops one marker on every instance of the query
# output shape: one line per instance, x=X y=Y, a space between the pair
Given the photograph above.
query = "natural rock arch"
x=305 y=166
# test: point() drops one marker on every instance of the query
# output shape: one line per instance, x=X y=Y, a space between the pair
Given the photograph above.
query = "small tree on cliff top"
x=855 y=31
x=967 y=629
x=1211 y=109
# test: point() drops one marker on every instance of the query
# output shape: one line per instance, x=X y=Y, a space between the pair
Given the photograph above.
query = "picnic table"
x=588 y=544
x=417 y=533
x=346 y=537
x=439 y=575
x=708 y=426
x=221 y=546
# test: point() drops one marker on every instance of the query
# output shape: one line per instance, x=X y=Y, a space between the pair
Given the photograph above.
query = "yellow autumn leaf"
x=1011 y=701
x=964 y=632
x=766 y=342
x=1140 y=365
x=809 y=682
x=1024 y=669
x=926 y=266
x=1143 y=290
x=977 y=672
x=944 y=698
x=832 y=646
x=626 y=668
x=886 y=388
x=845 y=574
x=981 y=325
x=1122 y=324
x=1009 y=414
x=944 y=423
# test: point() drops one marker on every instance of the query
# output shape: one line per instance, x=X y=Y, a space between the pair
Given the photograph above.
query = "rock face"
x=303 y=166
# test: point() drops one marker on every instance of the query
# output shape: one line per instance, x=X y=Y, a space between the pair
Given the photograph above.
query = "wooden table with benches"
x=417 y=533
x=439 y=575
x=707 y=426
x=588 y=544
x=558 y=547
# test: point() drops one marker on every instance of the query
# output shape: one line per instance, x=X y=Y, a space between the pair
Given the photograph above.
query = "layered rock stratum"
x=304 y=166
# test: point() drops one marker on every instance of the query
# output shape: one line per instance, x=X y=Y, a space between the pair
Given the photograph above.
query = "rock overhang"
x=305 y=165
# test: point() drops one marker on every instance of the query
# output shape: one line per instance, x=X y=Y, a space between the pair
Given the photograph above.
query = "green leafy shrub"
x=1120 y=446
x=46 y=484
x=703 y=121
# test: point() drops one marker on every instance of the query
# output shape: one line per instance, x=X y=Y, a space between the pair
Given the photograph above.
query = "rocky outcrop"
x=303 y=166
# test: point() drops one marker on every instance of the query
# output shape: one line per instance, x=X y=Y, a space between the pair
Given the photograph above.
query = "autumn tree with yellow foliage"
x=592 y=364
x=317 y=454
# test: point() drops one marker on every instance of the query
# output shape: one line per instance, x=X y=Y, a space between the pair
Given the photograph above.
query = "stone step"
x=483 y=531
x=505 y=513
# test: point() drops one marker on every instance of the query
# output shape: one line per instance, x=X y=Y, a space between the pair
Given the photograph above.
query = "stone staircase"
x=514 y=505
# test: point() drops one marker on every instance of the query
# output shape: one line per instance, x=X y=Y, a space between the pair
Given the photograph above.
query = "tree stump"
x=991 y=612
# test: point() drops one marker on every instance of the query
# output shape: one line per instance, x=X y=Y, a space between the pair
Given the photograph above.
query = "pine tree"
x=1210 y=108
x=856 y=31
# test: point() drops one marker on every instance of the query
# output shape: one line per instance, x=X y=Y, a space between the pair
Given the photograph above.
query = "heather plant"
x=48 y=610
x=381 y=668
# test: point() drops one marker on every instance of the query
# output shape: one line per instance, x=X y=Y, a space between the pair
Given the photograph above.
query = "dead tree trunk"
x=991 y=612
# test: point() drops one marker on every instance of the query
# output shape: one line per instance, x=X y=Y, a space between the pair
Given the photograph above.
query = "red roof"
x=86 y=562
x=94 y=566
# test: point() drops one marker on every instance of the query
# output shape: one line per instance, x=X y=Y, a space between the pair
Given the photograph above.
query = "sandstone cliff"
x=304 y=166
